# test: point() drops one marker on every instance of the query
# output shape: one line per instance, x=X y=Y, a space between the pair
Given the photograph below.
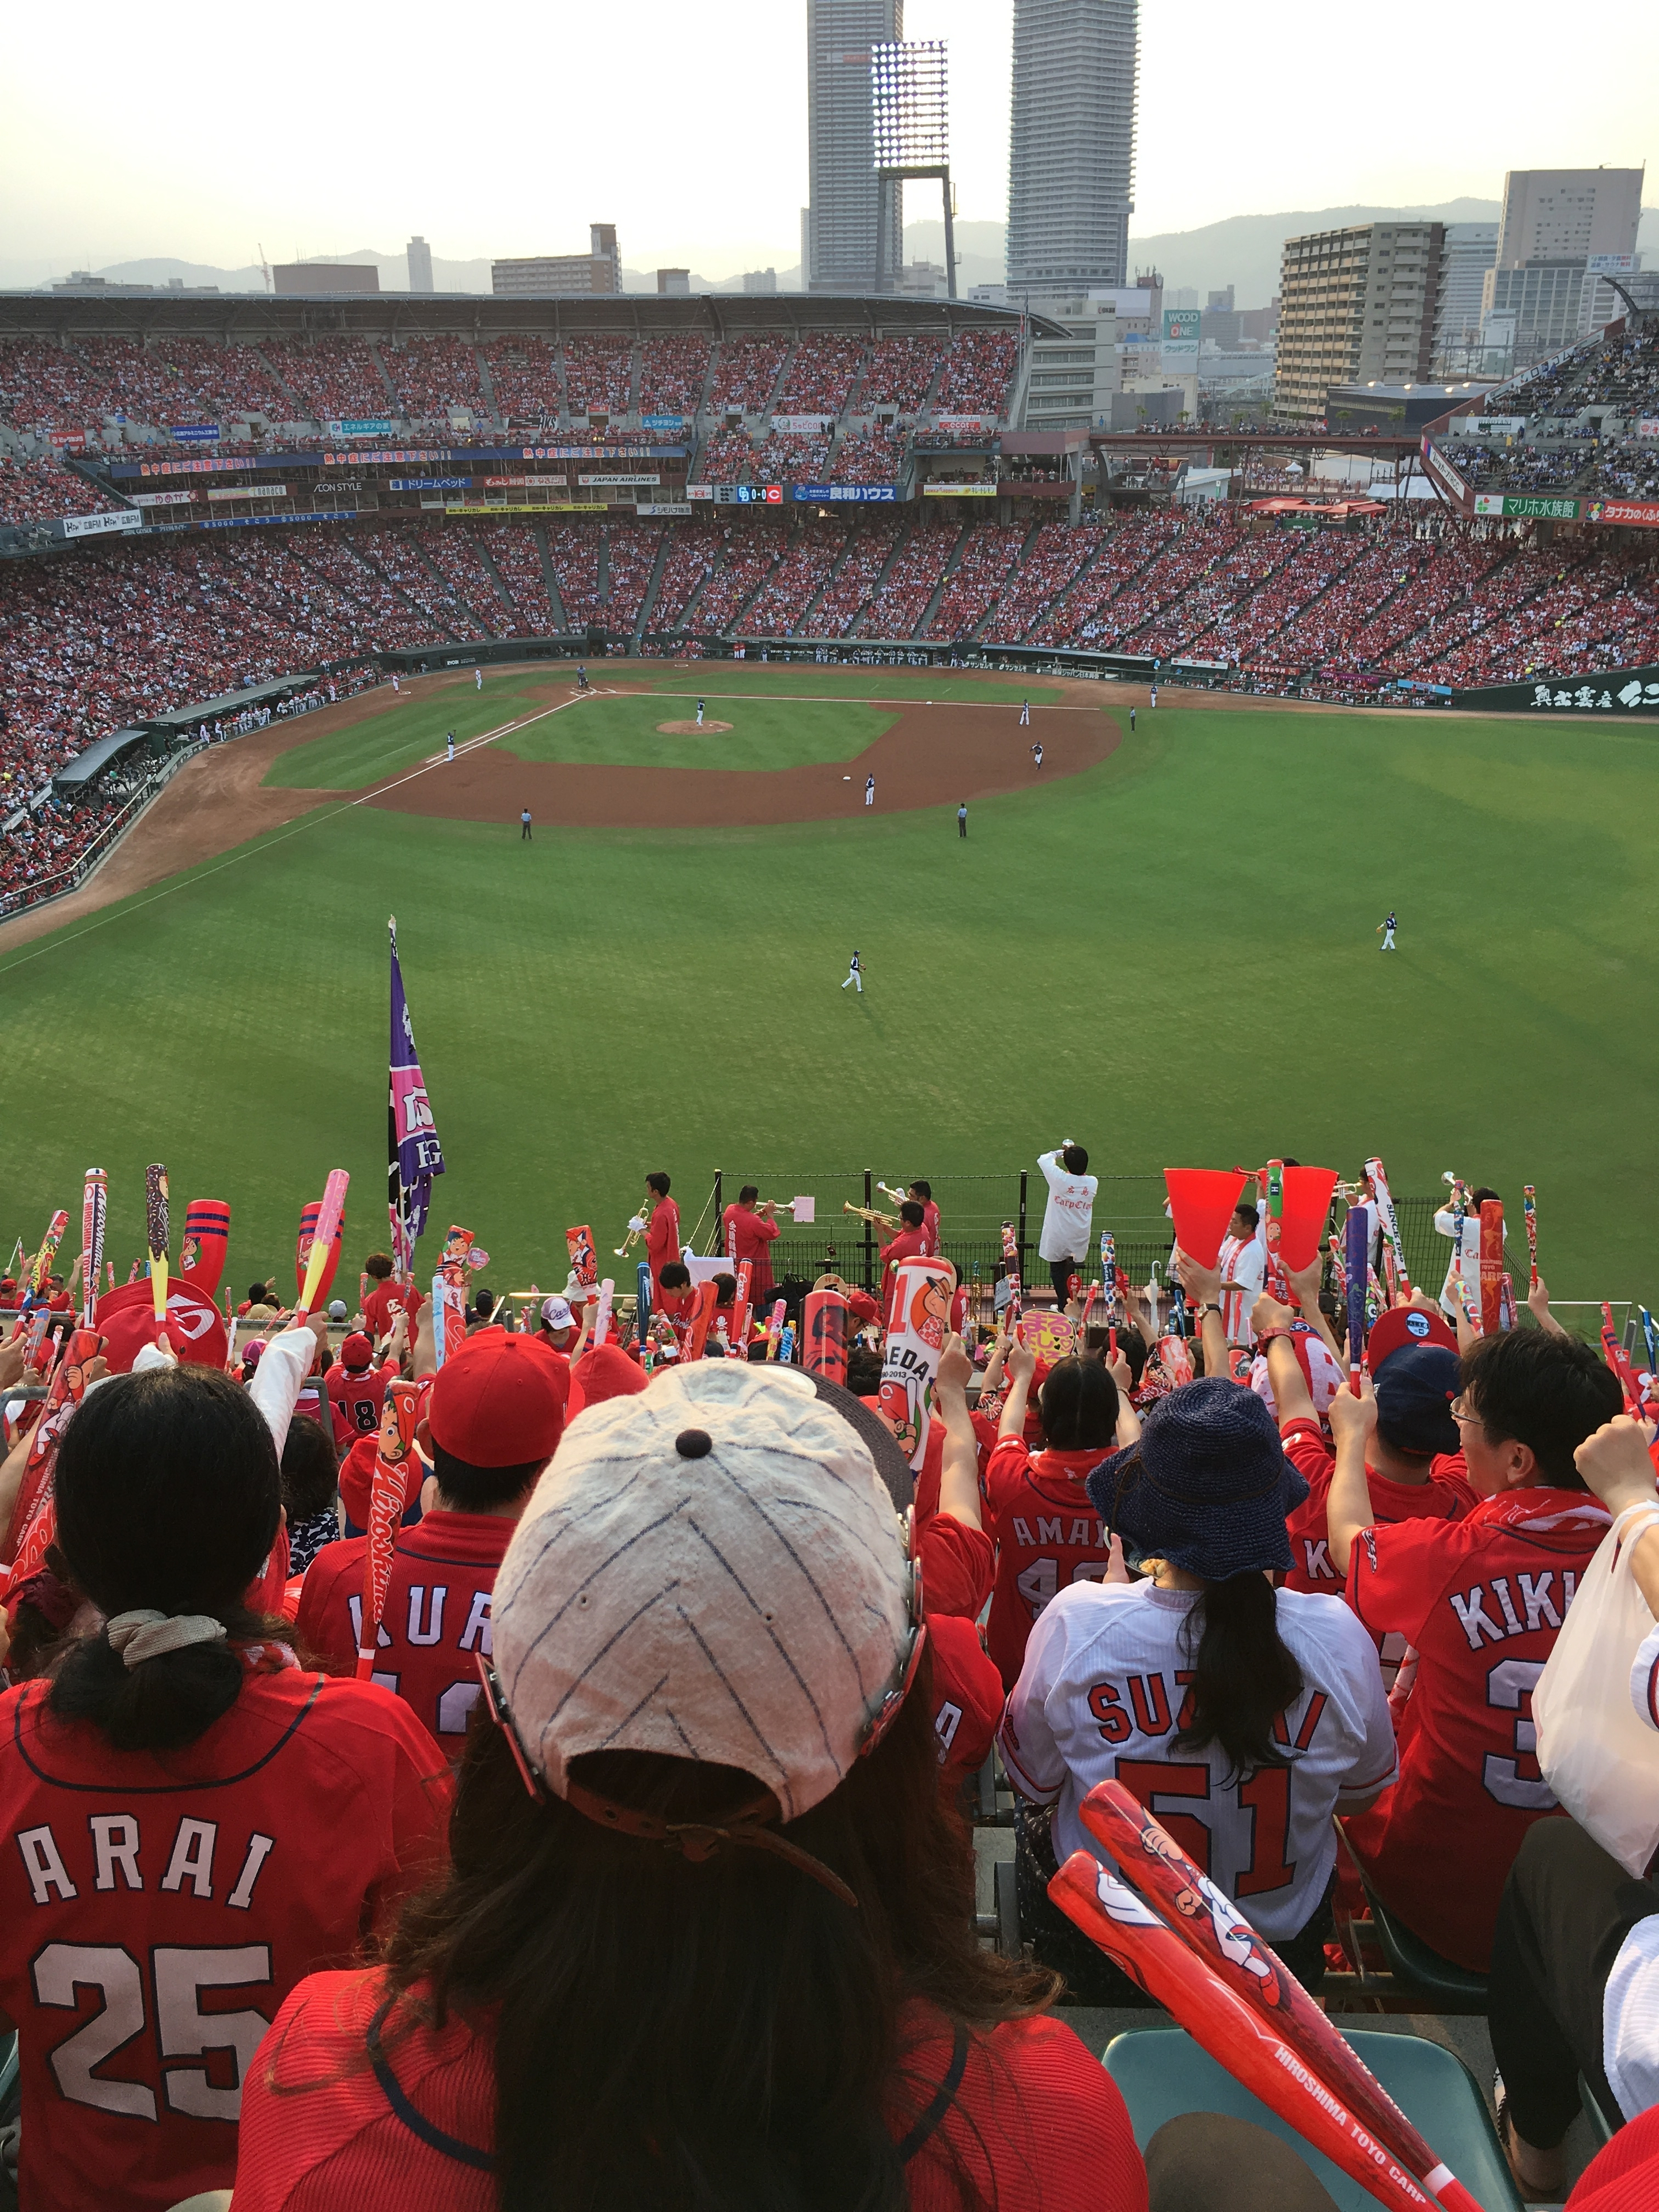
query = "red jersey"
x=380 y=1306
x=748 y=1235
x=355 y=1397
x=662 y=1241
x=436 y=1617
x=1481 y=1601
x=357 y=1483
x=909 y=1244
x=1049 y=1537
x=930 y=1228
x=932 y=1466
x=1029 y=2119
x=156 y=1910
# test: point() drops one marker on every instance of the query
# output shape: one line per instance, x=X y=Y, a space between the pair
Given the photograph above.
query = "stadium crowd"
x=344 y=1689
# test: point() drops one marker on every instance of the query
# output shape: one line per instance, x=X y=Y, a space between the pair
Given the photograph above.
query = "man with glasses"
x=1480 y=1601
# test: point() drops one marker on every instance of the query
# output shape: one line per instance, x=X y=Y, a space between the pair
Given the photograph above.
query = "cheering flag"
x=414 y=1154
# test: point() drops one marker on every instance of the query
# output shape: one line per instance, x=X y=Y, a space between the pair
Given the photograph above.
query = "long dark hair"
x=167 y=1496
x=724 y=2035
x=1079 y=1405
x=1244 y=1676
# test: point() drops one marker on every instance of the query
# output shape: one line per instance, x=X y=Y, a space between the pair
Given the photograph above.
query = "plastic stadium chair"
x=1450 y=1989
x=208 y=2200
x=1162 y=2072
x=1602 y=2130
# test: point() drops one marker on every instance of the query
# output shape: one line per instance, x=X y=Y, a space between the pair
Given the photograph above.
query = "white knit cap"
x=711 y=1569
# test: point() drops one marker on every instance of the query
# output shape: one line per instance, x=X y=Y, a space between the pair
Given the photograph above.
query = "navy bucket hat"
x=1207 y=1486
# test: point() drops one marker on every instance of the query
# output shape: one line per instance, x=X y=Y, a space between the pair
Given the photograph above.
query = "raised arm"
x=1348 y=1504
x=958 y=1480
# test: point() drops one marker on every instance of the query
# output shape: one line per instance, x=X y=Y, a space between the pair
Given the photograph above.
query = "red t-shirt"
x=380 y=1306
x=1445 y=1496
x=748 y=1235
x=1036 y=2124
x=662 y=1241
x=156 y=1910
x=909 y=1244
x=1481 y=1601
x=1048 y=1535
x=436 y=1617
x=355 y=1397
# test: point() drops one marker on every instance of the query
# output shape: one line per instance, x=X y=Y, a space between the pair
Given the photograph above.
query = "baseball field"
x=1162 y=942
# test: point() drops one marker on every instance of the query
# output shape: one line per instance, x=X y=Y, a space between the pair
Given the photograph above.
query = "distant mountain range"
x=1242 y=251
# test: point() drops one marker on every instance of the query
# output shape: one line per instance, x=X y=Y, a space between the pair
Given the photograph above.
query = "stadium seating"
x=454 y=551
x=525 y=373
x=823 y=371
x=517 y=556
x=573 y=550
x=901 y=370
x=750 y=551
x=172 y=380
x=900 y=604
x=794 y=583
x=672 y=373
x=1053 y=560
x=631 y=556
x=41 y=489
x=746 y=372
x=727 y=458
x=435 y=374
x=690 y=557
x=872 y=455
x=598 y=375
x=791 y=456
x=979 y=369
x=850 y=591
x=330 y=378
x=977 y=579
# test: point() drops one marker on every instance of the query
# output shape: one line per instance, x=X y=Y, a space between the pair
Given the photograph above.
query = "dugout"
x=85 y=767
x=236 y=703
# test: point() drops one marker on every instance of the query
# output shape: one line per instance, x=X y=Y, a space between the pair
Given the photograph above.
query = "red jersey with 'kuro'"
x=1482 y=1600
x=436 y=1619
x=1048 y=1535
x=155 y=1912
x=1023 y=2118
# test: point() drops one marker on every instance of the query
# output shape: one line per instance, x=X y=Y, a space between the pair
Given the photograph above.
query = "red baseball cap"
x=605 y=1372
x=1405 y=1325
x=357 y=1351
x=500 y=1400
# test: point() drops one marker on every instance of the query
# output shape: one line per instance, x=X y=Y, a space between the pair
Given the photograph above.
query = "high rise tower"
x=1071 y=156
x=849 y=204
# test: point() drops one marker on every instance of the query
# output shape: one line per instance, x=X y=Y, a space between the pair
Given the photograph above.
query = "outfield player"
x=1481 y=1600
x=1037 y=752
x=449 y=741
x=869 y=790
x=961 y=819
x=194 y=1823
x=1025 y=713
x=855 y=966
x=1385 y=931
x=1240 y=1715
x=494 y=1417
x=477 y=679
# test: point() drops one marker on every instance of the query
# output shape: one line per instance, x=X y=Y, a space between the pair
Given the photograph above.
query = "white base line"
x=120 y=910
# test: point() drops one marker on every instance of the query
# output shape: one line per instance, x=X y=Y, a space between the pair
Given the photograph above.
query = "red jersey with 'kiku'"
x=436 y=1619
x=1481 y=1601
x=1049 y=1537
x=157 y=1910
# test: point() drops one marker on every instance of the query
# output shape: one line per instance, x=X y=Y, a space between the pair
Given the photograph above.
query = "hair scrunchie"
x=144 y=1633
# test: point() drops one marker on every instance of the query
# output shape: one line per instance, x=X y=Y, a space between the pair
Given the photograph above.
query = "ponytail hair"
x=1244 y=1676
x=168 y=1499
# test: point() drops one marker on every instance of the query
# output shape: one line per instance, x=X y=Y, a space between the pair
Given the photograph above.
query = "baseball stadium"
x=623 y=834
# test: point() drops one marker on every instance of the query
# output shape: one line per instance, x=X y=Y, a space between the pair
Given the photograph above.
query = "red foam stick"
x=1152 y=1955
x=1210 y=1925
x=318 y=1254
x=701 y=1319
x=1493 y=1275
x=825 y=1317
x=740 y=1310
x=1201 y=1201
x=1306 y=1209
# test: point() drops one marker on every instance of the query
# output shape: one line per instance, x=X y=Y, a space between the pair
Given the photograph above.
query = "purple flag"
x=414 y=1154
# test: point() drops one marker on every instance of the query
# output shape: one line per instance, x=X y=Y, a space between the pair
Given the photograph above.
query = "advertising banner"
x=804 y=425
x=700 y=491
x=367 y=426
x=1488 y=426
x=74 y=440
x=652 y=481
x=1537 y=507
x=1613 y=693
x=250 y=521
x=99 y=526
x=532 y=483
x=247 y=491
x=936 y=490
x=1648 y=427
x=663 y=421
x=663 y=506
x=1178 y=355
x=963 y=423
x=194 y=433
x=361 y=459
x=856 y=495
x=216 y=464
x=162 y=498
x=1629 y=513
x=429 y=483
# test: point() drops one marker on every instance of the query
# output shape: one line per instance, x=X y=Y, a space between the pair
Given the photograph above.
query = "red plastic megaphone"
x=1202 y=1200
x=1307 y=1208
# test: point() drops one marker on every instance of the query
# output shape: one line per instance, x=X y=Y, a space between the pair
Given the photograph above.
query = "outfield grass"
x=1172 y=957
x=403 y=730
x=765 y=734
x=798 y=679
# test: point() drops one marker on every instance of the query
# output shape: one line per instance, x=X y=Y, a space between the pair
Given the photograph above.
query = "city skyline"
x=723 y=191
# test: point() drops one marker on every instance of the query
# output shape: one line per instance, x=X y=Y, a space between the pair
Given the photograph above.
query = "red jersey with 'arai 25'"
x=436 y=1619
x=1482 y=1600
x=157 y=1910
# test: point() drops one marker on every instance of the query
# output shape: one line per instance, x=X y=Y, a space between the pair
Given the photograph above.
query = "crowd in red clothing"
x=42 y=487
x=372 y=1720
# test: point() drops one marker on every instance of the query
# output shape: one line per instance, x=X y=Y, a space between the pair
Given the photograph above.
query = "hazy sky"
x=218 y=129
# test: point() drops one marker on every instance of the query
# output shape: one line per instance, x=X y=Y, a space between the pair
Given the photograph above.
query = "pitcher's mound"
x=692 y=729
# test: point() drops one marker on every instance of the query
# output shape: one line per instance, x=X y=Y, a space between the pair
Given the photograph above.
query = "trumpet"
x=869 y=1213
x=635 y=1230
x=887 y=1190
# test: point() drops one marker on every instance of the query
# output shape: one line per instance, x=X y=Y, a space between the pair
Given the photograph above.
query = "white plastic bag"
x=1597 y=1754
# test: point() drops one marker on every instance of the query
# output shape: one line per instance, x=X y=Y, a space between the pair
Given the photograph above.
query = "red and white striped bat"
x=1131 y=1934
x=1210 y=1925
x=1619 y=1359
x=1529 y=1204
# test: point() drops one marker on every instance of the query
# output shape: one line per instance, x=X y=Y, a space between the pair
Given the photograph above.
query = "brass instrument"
x=887 y=1190
x=635 y=1232
x=869 y=1213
